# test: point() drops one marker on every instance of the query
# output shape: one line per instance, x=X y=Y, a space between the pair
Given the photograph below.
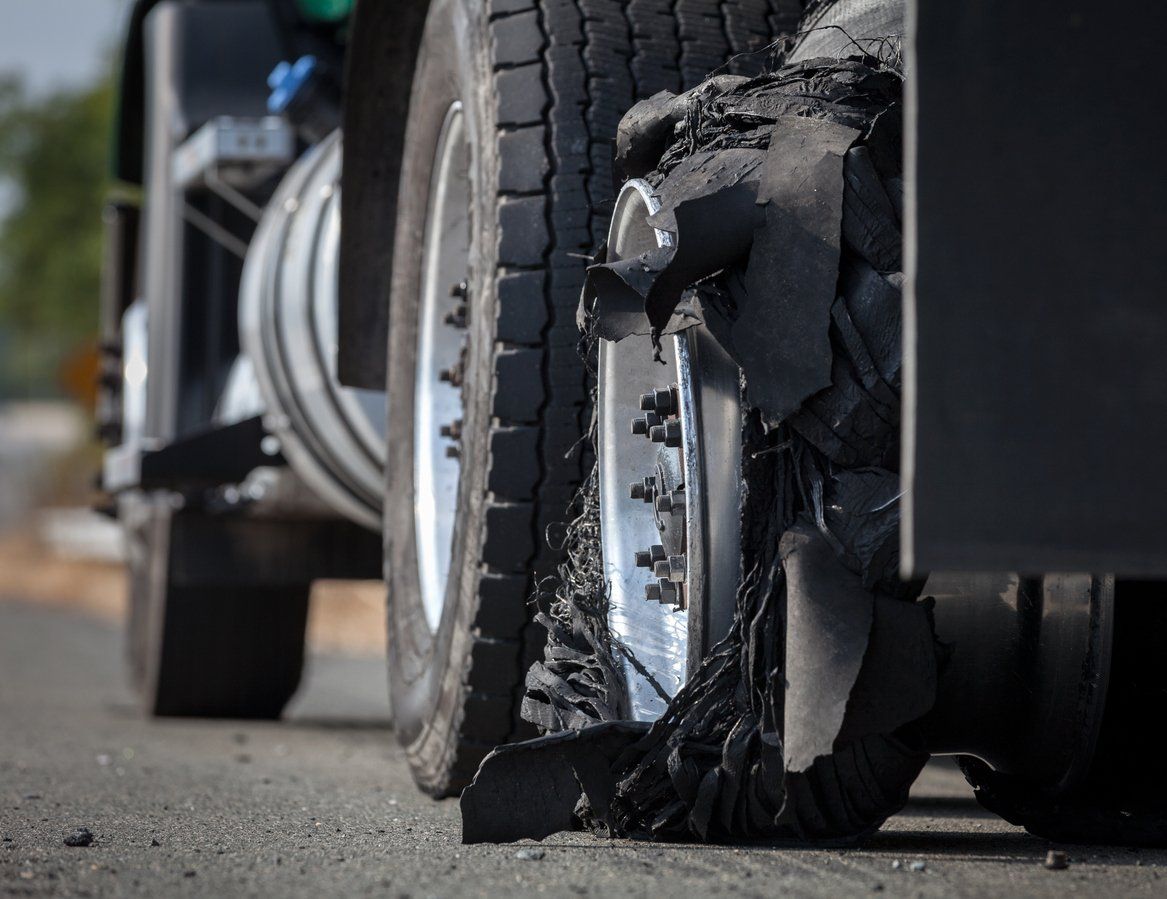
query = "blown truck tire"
x=743 y=655
x=506 y=187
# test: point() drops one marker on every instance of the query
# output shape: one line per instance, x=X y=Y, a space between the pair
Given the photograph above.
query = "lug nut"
x=453 y=430
x=643 y=490
x=671 y=569
x=457 y=318
x=644 y=425
x=662 y=401
x=668 y=433
x=663 y=592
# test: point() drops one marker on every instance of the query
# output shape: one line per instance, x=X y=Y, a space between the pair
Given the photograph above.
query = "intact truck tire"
x=202 y=644
x=537 y=88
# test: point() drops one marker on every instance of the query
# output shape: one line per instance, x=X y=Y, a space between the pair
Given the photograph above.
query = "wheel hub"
x=441 y=352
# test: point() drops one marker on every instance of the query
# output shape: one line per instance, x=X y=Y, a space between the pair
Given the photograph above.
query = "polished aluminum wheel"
x=441 y=341
x=670 y=462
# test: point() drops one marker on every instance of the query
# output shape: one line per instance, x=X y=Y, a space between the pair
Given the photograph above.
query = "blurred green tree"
x=53 y=179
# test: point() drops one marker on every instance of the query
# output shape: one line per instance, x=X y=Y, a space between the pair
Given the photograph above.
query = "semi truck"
x=585 y=324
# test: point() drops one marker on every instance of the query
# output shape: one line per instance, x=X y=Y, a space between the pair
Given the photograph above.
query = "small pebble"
x=82 y=836
x=917 y=866
x=895 y=866
x=188 y=873
x=154 y=841
x=1056 y=860
x=530 y=854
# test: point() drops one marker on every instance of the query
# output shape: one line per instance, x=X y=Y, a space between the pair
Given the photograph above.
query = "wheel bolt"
x=457 y=318
x=671 y=503
x=657 y=552
x=453 y=430
x=643 y=559
x=652 y=592
x=643 y=490
x=641 y=426
x=451 y=376
x=671 y=569
x=668 y=433
x=668 y=593
x=460 y=290
x=453 y=452
x=662 y=401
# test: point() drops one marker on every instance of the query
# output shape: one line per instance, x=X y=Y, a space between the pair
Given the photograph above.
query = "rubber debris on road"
x=81 y=836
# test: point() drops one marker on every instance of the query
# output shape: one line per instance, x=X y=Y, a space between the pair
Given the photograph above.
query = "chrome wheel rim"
x=438 y=407
x=668 y=501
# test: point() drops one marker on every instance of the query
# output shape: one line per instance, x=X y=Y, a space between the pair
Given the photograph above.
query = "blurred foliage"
x=53 y=178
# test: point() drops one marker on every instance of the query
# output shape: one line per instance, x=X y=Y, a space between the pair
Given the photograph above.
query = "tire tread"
x=552 y=60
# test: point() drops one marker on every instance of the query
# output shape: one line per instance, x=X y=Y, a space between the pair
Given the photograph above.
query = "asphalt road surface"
x=322 y=804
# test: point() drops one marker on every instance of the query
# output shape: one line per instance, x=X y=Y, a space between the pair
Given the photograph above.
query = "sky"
x=58 y=43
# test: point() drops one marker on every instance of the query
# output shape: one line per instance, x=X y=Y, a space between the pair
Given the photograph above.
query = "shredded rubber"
x=762 y=741
x=578 y=683
x=714 y=766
